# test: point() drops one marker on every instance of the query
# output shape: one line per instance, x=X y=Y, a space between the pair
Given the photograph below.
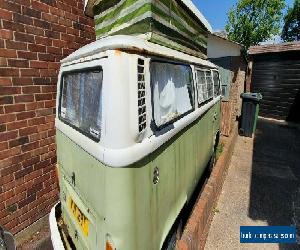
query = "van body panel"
x=124 y=202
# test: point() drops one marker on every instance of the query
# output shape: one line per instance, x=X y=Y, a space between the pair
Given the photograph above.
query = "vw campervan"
x=137 y=124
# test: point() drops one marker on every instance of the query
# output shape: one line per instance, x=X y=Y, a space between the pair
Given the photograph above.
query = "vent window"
x=141 y=95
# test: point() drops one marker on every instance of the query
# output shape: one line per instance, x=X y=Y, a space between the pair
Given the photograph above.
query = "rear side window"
x=205 y=85
x=81 y=101
x=172 y=91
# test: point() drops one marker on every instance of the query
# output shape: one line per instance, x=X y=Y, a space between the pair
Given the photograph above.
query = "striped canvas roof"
x=188 y=3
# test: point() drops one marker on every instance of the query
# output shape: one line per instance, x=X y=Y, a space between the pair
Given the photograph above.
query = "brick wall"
x=35 y=35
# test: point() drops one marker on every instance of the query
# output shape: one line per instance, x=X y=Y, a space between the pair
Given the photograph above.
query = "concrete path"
x=262 y=187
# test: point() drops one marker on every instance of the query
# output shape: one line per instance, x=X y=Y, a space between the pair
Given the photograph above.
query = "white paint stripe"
x=122 y=13
x=109 y=10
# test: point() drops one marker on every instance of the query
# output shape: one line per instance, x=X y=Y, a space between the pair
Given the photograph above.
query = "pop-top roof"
x=188 y=3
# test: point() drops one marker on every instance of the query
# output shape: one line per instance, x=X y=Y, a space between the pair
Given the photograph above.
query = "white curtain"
x=171 y=97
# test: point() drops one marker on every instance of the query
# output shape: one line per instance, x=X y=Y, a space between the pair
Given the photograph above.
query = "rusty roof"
x=274 y=48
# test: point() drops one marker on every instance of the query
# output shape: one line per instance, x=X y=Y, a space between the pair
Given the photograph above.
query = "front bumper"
x=56 y=239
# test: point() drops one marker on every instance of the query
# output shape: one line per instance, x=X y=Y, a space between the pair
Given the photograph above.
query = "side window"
x=216 y=83
x=172 y=91
x=201 y=86
x=205 y=85
x=210 y=84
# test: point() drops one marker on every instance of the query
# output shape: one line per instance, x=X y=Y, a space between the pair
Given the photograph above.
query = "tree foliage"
x=291 y=28
x=253 y=21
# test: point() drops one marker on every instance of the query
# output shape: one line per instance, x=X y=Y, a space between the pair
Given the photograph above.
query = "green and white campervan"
x=137 y=124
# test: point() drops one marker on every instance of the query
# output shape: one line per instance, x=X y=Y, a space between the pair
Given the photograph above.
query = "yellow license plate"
x=80 y=218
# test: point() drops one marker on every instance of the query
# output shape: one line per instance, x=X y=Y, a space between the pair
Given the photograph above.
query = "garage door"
x=277 y=77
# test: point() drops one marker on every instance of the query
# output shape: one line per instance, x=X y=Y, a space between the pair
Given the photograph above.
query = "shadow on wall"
x=275 y=184
x=294 y=113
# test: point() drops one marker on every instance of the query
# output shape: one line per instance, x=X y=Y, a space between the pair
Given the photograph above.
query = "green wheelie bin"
x=250 y=109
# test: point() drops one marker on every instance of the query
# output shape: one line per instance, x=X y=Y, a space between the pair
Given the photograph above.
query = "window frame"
x=196 y=78
x=82 y=70
x=191 y=95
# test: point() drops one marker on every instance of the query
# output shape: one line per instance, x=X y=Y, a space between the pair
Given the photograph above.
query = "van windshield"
x=81 y=101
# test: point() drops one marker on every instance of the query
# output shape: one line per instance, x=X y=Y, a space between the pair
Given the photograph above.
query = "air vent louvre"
x=141 y=96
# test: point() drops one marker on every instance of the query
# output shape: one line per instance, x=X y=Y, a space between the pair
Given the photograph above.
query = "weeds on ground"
x=219 y=150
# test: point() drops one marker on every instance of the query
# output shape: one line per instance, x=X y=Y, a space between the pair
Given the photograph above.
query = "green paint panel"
x=124 y=202
x=176 y=26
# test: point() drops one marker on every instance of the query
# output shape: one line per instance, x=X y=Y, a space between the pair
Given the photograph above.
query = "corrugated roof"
x=274 y=48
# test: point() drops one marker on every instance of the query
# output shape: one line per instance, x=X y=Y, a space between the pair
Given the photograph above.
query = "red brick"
x=18 y=63
x=27 y=55
x=9 y=53
x=39 y=64
x=46 y=57
x=30 y=72
x=68 y=38
x=57 y=12
x=3 y=146
x=10 y=90
x=44 y=112
x=54 y=50
x=16 y=125
x=18 y=18
x=43 y=40
x=7 y=118
x=50 y=18
x=31 y=89
x=40 y=6
x=14 y=26
x=42 y=24
x=22 y=37
x=24 y=98
x=5 y=81
x=21 y=81
x=6 y=15
x=9 y=72
x=30 y=146
x=52 y=34
x=48 y=72
x=10 y=169
x=27 y=201
x=34 y=105
x=8 y=136
x=36 y=121
x=50 y=104
x=11 y=6
x=59 y=28
x=31 y=161
x=14 y=108
x=31 y=12
x=34 y=30
x=9 y=152
x=43 y=97
x=6 y=34
x=23 y=172
x=16 y=45
x=6 y=100
x=28 y=131
x=54 y=65
x=36 y=48
x=25 y=115
x=3 y=62
x=59 y=43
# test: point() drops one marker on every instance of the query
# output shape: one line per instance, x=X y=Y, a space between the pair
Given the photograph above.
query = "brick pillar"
x=34 y=36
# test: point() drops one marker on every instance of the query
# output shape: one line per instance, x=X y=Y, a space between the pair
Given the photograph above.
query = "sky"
x=216 y=11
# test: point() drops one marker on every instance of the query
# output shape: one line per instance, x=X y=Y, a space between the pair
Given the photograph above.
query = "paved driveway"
x=262 y=187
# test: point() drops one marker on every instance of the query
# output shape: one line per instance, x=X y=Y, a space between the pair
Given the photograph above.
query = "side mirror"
x=7 y=241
